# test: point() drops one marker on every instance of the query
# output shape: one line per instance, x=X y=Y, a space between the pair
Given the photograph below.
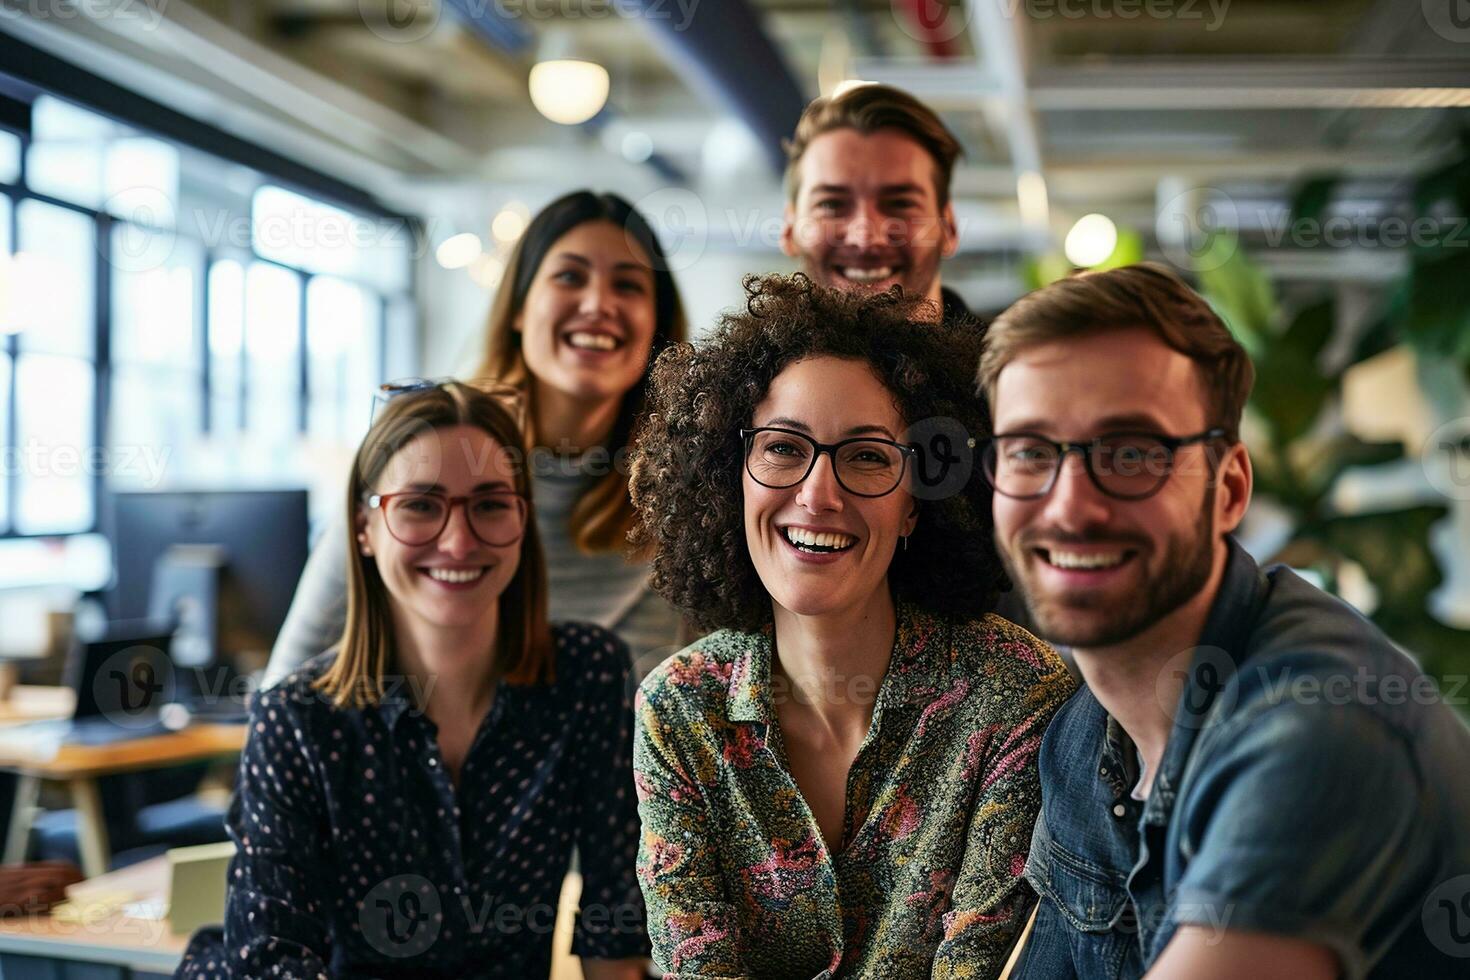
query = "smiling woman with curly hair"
x=842 y=777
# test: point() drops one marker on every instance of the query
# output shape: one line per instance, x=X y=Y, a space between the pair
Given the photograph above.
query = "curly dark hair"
x=686 y=477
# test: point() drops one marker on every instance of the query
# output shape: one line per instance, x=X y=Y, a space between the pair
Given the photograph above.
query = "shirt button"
x=1120 y=810
x=433 y=763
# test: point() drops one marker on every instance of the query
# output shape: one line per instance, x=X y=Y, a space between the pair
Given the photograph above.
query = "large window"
x=168 y=318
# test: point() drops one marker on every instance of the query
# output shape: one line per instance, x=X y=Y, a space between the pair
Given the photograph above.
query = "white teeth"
x=826 y=539
x=868 y=275
x=592 y=341
x=1072 y=559
x=455 y=575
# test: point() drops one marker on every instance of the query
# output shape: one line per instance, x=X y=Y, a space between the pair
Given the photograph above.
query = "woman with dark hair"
x=408 y=801
x=586 y=303
x=841 y=780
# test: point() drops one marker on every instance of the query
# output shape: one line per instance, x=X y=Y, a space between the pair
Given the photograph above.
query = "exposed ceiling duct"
x=722 y=52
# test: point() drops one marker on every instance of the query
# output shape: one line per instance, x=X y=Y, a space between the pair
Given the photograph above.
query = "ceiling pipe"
x=723 y=53
x=492 y=24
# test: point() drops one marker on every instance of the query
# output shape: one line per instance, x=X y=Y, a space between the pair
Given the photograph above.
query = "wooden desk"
x=103 y=935
x=79 y=766
x=150 y=946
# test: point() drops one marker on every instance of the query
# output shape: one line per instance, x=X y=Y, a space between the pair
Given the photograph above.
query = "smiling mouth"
x=1084 y=561
x=867 y=276
x=586 y=340
x=455 y=576
x=818 y=542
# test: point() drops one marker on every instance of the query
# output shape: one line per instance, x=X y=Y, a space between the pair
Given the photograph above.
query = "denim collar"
x=922 y=656
x=1218 y=655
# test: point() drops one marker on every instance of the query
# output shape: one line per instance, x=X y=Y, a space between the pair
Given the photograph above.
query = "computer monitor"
x=250 y=544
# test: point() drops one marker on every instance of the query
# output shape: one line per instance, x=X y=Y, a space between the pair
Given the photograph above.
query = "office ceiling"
x=1109 y=100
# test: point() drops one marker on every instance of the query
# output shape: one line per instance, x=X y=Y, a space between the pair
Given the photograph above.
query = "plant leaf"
x=1312 y=196
x=1239 y=292
x=1393 y=548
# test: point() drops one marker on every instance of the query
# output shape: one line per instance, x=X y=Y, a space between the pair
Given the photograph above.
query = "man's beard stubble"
x=1185 y=572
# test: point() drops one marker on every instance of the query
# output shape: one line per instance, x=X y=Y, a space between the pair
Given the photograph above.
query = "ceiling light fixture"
x=567 y=91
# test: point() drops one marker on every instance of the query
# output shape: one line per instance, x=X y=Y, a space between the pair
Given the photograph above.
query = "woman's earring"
x=905 y=540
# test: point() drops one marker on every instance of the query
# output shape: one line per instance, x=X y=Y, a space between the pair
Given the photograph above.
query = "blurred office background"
x=223 y=223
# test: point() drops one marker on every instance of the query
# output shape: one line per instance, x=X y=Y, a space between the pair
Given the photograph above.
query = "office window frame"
x=102 y=322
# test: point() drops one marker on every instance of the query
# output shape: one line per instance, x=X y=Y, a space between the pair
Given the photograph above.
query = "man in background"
x=867 y=195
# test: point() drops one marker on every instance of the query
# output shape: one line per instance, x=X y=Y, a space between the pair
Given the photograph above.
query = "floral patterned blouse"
x=941 y=799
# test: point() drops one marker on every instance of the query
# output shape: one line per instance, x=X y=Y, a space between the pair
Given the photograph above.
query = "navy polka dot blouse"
x=357 y=856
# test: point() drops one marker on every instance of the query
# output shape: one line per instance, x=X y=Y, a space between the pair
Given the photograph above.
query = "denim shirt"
x=1314 y=786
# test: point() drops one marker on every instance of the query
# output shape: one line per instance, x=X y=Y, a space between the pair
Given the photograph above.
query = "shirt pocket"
x=1090 y=901
x=1091 y=898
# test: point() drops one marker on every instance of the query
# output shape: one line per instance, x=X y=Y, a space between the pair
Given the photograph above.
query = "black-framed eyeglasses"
x=497 y=517
x=865 y=467
x=508 y=395
x=1124 y=465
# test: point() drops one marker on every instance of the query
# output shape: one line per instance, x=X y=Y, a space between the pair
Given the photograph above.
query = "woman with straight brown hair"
x=408 y=801
x=586 y=304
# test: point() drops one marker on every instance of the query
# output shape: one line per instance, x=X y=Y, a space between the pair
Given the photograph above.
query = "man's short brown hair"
x=1144 y=295
x=867 y=109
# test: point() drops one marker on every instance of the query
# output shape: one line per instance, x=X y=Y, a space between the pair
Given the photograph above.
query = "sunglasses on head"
x=509 y=396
